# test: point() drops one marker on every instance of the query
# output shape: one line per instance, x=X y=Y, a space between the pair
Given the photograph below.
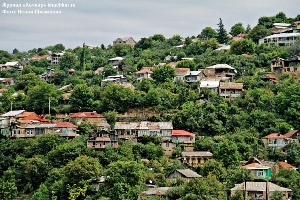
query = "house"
x=7 y=81
x=260 y=190
x=239 y=36
x=185 y=174
x=184 y=138
x=212 y=85
x=156 y=191
x=275 y=140
x=220 y=71
x=114 y=79
x=55 y=58
x=259 y=171
x=281 y=39
x=286 y=165
x=145 y=72
x=115 y=61
x=14 y=64
x=291 y=64
x=48 y=76
x=65 y=129
x=193 y=76
x=180 y=73
x=125 y=40
x=293 y=136
x=269 y=77
x=195 y=158
x=103 y=139
x=281 y=28
x=230 y=90
x=92 y=118
x=37 y=57
x=133 y=130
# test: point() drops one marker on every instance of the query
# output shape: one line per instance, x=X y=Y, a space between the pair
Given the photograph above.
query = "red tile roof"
x=182 y=133
x=231 y=86
x=291 y=133
x=64 y=125
x=181 y=70
x=274 y=136
x=86 y=115
x=35 y=117
x=286 y=165
x=6 y=80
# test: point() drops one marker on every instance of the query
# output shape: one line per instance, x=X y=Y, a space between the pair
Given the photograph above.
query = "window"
x=260 y=173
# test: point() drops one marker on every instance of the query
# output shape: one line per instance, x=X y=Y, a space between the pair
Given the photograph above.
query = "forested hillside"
x=52 y=167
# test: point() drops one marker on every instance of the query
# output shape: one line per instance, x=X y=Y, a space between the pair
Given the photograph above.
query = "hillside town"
x=212 y=116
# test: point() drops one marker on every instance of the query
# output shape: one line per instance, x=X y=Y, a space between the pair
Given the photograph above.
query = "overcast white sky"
x=100 y=22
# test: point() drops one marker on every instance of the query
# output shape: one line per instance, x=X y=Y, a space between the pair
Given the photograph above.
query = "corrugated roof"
x=143 y=125
x=64 y=125
x=13 y=113
x=275 y=136
x=283 y=35
x=188 y=173
x=86 y=115
x=182 y=133
x=260 y=186
x=291 y=133
x=209 y=84
x=196 y=154
x=220 y=66
x=155 y=191
x=255 y=166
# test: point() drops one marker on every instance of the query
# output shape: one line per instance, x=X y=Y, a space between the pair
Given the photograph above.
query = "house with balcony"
x=276 y=140
x=55 y=57
x=281 y=39
x=114 y=79
x=180 y=73
x=259 y=170
x=260 y=190
x=211 y=85
x=145 y=72
x=115 y=61
x=92 y=118
x=291 y=64
x=193 y=76
x=220 y=72
x=230 y=90
x=184 y=138
x=195 y=158
x=103 y=139
x=133 y=130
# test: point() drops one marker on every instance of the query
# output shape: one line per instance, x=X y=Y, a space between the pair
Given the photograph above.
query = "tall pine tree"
x=222 y=33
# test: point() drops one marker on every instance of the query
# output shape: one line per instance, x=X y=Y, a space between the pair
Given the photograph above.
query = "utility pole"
x=49 y=106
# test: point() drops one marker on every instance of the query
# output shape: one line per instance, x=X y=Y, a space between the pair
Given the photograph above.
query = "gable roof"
x=259 y=186
x=182 y=133
x=291 y=133
x=86 y=115
x=64 y=125
x=124 y=39
x=274 y=136
x=196 y=154
x=286 y=165
x=255 y=166
x=13 y=113
x=155 y=191
x=181 y=70
x=187 y=173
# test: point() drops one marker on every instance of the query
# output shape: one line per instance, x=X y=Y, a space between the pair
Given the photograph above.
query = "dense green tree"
x=27 y=81
x=258 y=32
x=109 y=70
x=163 y=73
x=81 y=98
x=243 y=46
x=237 y=29
x=222 y=33
x=15 y=51
x=8 y=190
x=208 y=33
x=122 y=49
x=215 y=168
x=58 y=48
x=227 y=153
x=68 y=61
x=175 y=40
x=42 y=193
x=41 y=97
